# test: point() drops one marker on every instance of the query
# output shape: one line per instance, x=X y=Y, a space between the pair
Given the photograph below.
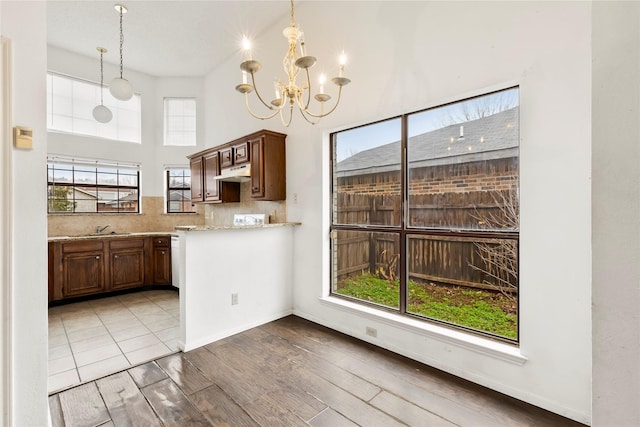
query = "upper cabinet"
x=265 y=154
x=205 y=167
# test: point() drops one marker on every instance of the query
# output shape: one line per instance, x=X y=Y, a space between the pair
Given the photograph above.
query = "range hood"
x=239 y=173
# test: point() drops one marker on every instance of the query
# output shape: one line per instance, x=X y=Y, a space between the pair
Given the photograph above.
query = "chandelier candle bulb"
x=342 y=61
x=303 y=49
x=244 y=77
x=321 y=80
x=246 y=46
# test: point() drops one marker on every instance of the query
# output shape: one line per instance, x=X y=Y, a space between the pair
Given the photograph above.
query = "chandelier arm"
x=290 y=117
x=246 y=101
x=304 y=115
x=321 y=115
x=270 y=107
x=308 y=90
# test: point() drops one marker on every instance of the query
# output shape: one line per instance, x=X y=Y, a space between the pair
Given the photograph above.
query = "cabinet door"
x=211 y=170
x=197 y=195
x=83 y=273
x=127 y=268
x=257 y=167
x=126 y=263
x=161 y=266
x=241 y=153
x=226 y=158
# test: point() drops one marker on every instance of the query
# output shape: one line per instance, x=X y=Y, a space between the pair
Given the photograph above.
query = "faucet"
x=101 y=229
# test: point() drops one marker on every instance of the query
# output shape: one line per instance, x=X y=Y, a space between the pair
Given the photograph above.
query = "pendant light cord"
x=121 y=42
x=101 y=79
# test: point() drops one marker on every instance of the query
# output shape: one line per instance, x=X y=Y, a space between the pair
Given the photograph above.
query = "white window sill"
x=498 y=350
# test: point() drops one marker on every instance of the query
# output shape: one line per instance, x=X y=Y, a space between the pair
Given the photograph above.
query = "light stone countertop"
x=233 y=227
x=109 y=235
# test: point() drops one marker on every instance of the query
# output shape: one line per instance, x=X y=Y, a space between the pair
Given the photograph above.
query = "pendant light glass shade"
x=120 y=87
x=102 y=114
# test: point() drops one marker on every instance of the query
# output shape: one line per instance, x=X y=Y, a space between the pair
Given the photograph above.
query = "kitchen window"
x=180 y=121
x=70 y=104
x=92 y=186
x=178 y=195
x=425 y=214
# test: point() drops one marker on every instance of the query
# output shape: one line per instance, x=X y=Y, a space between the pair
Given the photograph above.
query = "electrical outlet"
x=234 y=299
x=372 y=332
x=295 y=197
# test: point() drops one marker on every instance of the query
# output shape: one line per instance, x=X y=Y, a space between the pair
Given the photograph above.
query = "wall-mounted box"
x=22 y=137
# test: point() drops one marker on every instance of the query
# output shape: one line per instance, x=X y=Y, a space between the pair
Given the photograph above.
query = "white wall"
x=616 y=203
x=29 y=252
x=405 y=56
x=152 y=153
x=254 y=264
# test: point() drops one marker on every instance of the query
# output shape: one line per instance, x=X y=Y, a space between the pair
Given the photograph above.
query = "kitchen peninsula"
x=234 y=278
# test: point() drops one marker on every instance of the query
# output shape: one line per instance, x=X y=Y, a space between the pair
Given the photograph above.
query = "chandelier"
x=120 y=87
x=289 y=92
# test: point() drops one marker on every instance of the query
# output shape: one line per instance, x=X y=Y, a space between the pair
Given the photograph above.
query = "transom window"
x=70 y=104
x=86 y=185
x=180 y=121
x=178 y=195
x=425 y=214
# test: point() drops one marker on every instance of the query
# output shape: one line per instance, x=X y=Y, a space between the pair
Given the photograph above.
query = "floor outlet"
x=372 y=332
x=234 y=299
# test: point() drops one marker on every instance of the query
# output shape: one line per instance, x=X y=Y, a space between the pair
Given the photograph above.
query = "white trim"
x=484 y=346
x=6 y=228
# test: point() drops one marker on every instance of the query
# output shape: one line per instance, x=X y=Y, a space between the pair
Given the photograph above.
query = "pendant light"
x=100 y=112
x=120 y=87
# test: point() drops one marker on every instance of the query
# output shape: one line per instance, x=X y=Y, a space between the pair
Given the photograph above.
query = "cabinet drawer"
x=126 y=244
x=161 y=241
x=82 y=246
x=241 y=153
x=225 y=157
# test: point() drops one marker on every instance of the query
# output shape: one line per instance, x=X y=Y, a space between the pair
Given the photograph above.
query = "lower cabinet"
x=98 y=265
x=162 y=260
x=127 y=263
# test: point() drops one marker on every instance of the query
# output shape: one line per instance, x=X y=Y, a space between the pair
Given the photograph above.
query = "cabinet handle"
x=115 y=256
x=162 y=252
x=97 y=256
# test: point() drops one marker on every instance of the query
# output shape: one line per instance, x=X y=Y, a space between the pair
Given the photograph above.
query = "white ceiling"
x=162 y=38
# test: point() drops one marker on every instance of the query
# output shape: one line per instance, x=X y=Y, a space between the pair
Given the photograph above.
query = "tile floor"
x=91 y=339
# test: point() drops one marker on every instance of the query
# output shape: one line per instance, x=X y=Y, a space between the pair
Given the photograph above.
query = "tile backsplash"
x=222 y=213
x=152 y=219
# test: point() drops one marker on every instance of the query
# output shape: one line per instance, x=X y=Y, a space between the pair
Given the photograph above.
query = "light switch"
x=22 y=137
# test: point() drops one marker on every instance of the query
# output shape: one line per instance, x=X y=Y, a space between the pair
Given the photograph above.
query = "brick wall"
x=492 y=175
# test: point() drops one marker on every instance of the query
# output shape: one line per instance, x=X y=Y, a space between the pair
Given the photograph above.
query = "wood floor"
x=290 y=372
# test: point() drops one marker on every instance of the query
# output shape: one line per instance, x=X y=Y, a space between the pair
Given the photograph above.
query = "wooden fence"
x=440 y=259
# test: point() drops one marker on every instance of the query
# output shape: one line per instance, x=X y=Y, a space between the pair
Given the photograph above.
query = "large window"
x=180 y=121
x=70 y=104
x=178 y=186
x=85 y=185
x=425 y=214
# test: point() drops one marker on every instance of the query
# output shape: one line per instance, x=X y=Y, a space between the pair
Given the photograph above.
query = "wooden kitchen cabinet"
x=127 y=263
x=77 y=269
x=265 y=152
x=85 y=267
x=197 y=180
x=268 y=166
x=161 y=260
x=205 y=166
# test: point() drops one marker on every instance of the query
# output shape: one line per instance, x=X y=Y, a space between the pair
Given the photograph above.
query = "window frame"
x=168 y=188
x=404 y=230
x=116 y=106
x=92 y=164
x=166 y=126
